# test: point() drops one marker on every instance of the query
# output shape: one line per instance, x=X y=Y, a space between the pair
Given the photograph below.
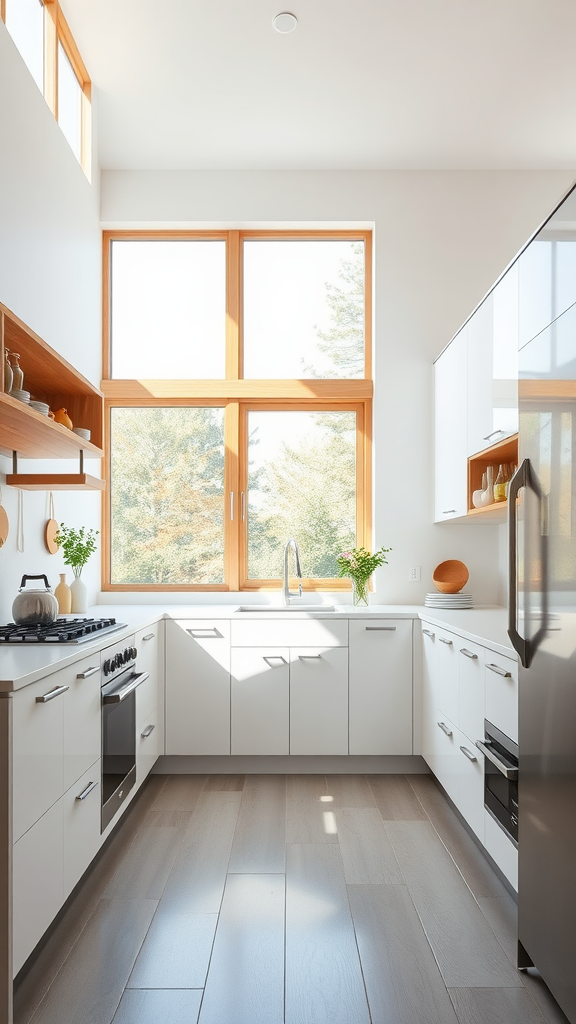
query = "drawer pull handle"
x=468 y=753
x=468 y=654
x=86 y=792
x=499 y=671
x=309 y=657
x=51 y=694
x=210 y=633
x=386 y=629
x=270 y=658
x=147 y=732
x=88 y=672
x=149 y=636
x=443 y=640
x=446 y=511
x=488 y=436
x=445 y=729
x=428 y=632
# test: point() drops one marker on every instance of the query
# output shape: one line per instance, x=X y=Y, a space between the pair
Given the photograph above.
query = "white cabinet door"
x=448 y=685
x=450 y=430
x=81 y=824
x=37 y=882
x=287 y=631
x=198 y=686
x=471 y=684
x=501 y=679
x=318 y=700
x=469 y=797
x=148 y=746
x=535 y=305
x=445 y=764
x=38 y=717
x=260 y=700
x=479 y=383
x=82 y=717
x=149 y=694
x=429 y=690
x=380 y=686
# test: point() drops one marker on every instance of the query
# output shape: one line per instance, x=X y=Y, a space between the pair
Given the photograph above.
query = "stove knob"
x=127 y=654
x=106 y=668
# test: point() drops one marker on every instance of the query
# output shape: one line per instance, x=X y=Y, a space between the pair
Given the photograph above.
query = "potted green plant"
x=77 y=546
x=359 y=565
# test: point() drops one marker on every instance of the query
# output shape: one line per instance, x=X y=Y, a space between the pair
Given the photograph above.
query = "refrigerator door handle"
x=525 y=647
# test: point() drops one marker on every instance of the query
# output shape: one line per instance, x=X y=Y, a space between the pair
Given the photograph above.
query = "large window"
x=41 y=33
x=238 y=406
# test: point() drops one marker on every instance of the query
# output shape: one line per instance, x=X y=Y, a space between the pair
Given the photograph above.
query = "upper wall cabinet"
x=547 y=279
x=450 y=414
x=492 y=384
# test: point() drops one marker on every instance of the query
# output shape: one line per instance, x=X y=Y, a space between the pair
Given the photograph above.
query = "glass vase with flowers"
x=359 y=565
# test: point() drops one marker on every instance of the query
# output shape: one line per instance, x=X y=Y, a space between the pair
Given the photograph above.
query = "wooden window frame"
x=238 y=396
x=57 y=30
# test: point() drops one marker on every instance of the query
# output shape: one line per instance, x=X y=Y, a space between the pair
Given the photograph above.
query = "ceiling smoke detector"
x=285 y=22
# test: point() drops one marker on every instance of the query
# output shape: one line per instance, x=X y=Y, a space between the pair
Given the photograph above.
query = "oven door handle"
x=507 y=772
x=119 y=695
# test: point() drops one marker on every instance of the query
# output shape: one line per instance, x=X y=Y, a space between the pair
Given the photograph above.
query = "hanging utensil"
x=4 y=524
x=51 y=530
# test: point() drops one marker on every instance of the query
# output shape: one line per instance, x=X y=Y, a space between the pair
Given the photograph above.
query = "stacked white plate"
x=40 y=407
x=448 y=601
x=22 y=396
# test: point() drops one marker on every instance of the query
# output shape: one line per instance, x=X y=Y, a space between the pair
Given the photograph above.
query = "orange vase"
x=61 y=416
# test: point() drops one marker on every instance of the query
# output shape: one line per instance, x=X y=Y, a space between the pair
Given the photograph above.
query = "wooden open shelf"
x=49 y=378
x=505 y=451
x=55 y=482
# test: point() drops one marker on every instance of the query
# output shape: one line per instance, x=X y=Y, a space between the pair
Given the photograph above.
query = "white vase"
x=79 y=594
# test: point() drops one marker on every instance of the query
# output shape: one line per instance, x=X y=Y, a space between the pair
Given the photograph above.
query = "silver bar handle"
x=86 y=792
x=243 y=506
x=445 y=729
x=443 y=640
x=269 y=658
x=88 y=672
x=468 y=753
x=428 y=632
x=147 y=732
x=468 y=654
x=309 y=657
x=385 y=629
x=209 y=633
x=507 y=772
x=499 y=671
x=498 y=431
x=119 y=695
x=51 y=694
x=149 y=636
x=446 y=511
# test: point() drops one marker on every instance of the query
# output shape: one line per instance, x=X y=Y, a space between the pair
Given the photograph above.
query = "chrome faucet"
x=286 y=592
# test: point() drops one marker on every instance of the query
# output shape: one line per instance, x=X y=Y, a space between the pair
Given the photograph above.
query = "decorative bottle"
x=500 y=484
x=8 y=375
x=63 y=596
x=17 y=373
x=79 y=593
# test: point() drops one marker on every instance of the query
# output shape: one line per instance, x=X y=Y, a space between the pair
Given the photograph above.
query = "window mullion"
x=233 y=290
x=233 y=503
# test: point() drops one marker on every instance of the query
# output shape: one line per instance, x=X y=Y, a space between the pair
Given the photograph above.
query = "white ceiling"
x=360 y=83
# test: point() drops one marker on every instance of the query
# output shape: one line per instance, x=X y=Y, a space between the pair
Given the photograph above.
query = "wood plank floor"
x=305 y=899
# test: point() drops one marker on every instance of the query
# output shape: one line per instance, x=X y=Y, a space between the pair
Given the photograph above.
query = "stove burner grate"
x=59 y=632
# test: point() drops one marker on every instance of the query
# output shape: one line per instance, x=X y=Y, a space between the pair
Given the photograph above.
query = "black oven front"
x=118 y=727
x=501 y=779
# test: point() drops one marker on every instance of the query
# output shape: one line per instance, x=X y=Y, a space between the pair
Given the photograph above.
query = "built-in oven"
x=120 y=681
x=501 y=779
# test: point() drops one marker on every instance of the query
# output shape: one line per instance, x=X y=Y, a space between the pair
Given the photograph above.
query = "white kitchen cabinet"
x=471 y=689
x=501 y=682
x=380 y=665
x=37 y=886
x=260 y=722
x=501 y=849
x=535 y=290
x=469 y=795
x=289 y=632
x=492 y=388
x=448 y=681
x=148 y=746
x=197 y=686
x=429 y=690
x=38 y=760
x=318 y=700
x=81 y=826
x=444 y=759
x=149 y=695
x=81 y=706
x=450 y=433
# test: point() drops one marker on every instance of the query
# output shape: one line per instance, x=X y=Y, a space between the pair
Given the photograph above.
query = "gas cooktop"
x=63 y=631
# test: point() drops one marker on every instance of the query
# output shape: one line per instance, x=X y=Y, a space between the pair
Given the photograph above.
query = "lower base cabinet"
x=37 y=886
x=459 y=767
x=501 y=849
x=81 y=806
x=260 y=701
x=148 y=746
x=319 y=700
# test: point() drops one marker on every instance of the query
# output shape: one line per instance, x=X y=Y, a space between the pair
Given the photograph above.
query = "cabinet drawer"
x=37 y=882
x=81 y=823
x=82 y=717
x=444 y=762
x=37 y=750
x=318 y=701
x=148 y=746
x=293 y=633
x=146 y=697
x=380 y=659
x=197 y=686
x=469 y=797
x=501 y=681
x=448 y=645
x=260 y=700
x=471 y=687
x=147 y=643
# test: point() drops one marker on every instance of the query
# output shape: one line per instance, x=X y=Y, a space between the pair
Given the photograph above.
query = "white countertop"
x=21 y=665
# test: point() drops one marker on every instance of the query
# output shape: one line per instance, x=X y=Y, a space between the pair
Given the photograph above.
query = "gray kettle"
x=34 y=607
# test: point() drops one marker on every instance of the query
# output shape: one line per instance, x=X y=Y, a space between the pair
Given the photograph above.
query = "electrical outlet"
x=414 y=574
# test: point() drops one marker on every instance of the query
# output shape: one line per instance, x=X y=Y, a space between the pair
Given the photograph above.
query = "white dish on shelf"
x=82 y=432
x=40 y=407
x=21 y=396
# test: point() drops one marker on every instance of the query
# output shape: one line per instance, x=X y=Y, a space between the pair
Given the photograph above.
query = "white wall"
x=50 y=259
x=441 y=238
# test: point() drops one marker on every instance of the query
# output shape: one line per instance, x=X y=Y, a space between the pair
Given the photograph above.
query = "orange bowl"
x=449 y=577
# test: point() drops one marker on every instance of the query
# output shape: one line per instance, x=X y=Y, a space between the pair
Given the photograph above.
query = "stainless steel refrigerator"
x=542 y=627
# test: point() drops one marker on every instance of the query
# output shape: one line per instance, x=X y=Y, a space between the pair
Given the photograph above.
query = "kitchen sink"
x=257 y=608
